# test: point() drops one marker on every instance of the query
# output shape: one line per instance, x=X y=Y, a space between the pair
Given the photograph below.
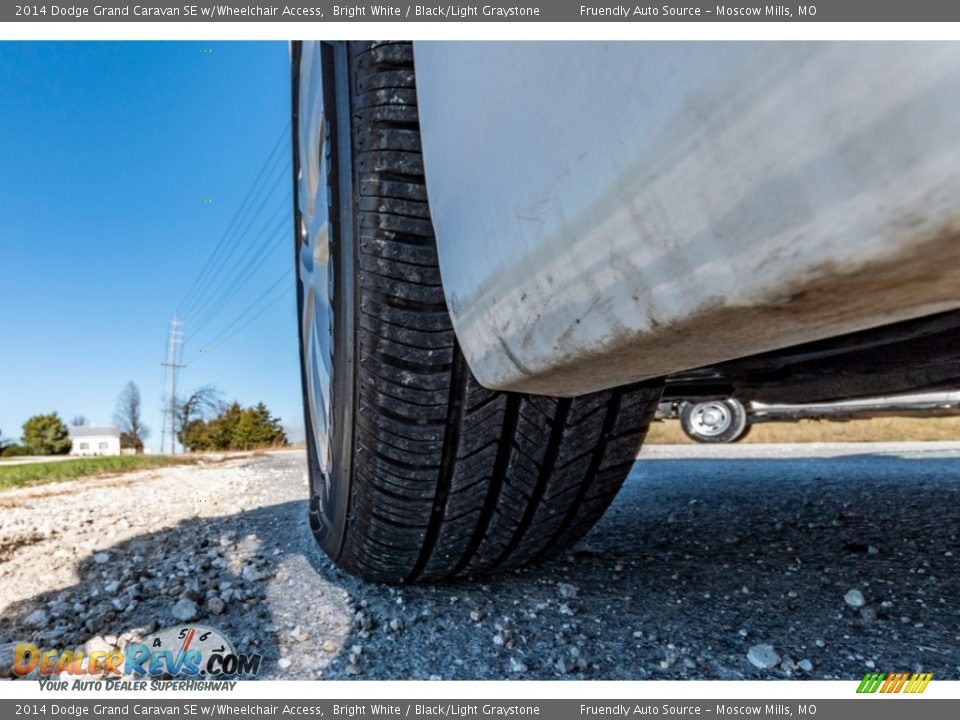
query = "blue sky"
x=122 y=166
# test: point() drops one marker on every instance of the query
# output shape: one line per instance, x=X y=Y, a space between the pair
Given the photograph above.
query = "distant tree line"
x=206 y=423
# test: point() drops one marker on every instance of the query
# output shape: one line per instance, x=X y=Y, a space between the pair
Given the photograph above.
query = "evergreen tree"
x=46 y=435
x=235 y=428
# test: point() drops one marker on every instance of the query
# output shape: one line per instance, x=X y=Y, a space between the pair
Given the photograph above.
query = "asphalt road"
x=706 y=553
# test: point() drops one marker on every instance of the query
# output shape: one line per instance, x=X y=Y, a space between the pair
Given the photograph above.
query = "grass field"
x=805 y=431
x=47 y=472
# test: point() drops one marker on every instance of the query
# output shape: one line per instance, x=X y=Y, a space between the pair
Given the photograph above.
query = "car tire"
x=715 y=421
x=417 y=472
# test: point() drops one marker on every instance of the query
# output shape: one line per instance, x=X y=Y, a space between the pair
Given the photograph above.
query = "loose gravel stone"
x=517 y=666
x=251 y=574
x=854 y=598
x=37 y=619
x=763 y=657
x=185 y=610
x=509 y=638
x=97 y=644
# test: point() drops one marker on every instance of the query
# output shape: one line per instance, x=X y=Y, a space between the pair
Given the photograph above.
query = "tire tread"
x=449 y=478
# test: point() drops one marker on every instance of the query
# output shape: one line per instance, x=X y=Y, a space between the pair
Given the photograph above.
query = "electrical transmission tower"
x=176 y=334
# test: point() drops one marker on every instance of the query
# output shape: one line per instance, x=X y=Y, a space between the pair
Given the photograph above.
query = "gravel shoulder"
x=719 y=563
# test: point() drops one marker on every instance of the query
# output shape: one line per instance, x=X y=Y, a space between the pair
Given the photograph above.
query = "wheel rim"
x=318 y=350
x=711 y=419
x=315 y=271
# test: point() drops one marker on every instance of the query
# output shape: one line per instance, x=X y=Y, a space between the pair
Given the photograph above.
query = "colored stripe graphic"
x=918 y=683
x=889 y=683
x=901 y=682
x=871 y=682
x=894 y=682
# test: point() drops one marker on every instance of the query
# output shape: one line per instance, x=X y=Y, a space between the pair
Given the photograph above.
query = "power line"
x=218 y=274
x=241 y=273
x=239 y=251
x=241 y=209
x=225 y=335
x=252 y=305
x=244 y=207
x=230 y=266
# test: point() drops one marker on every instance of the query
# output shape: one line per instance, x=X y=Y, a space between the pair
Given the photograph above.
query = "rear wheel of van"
x=418 y=473
x=715 y=421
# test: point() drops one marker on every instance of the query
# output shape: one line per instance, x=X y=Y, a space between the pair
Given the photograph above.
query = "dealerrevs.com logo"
x=191 y=652
x=911 y=683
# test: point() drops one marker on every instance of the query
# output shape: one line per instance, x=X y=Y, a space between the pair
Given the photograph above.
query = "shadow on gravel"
x=696 y=562
x=211 y=571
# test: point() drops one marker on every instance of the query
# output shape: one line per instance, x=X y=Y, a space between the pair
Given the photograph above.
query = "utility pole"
x=172 y=348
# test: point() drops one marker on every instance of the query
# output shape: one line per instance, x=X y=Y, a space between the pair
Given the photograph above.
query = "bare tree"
x=79 y=421
x=127 y=418
x=203 y=403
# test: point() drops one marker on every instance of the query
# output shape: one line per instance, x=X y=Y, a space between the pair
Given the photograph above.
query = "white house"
x=94 y=440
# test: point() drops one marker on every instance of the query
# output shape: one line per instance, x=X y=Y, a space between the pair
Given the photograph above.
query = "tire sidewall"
x=330 y=492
